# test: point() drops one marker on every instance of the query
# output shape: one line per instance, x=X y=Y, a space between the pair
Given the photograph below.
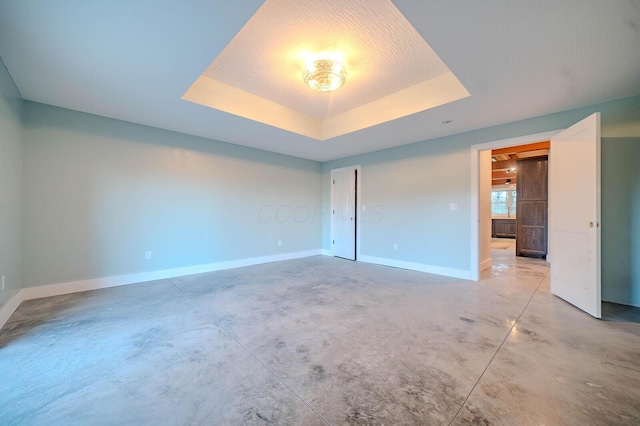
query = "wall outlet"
x=279 y=243
x=395 y=247
x=147 y=255
x=453 y=206
x=3 y=282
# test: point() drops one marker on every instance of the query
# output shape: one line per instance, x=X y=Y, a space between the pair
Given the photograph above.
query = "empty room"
x=293 y=212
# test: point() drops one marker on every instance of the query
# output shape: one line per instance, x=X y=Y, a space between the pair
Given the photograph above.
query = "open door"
x=574 y=219
x=343 y=212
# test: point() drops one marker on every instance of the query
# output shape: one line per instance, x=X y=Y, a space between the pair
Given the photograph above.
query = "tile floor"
x=322 y=341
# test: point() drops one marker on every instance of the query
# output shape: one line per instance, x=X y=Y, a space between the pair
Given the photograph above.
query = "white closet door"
x=343 y=213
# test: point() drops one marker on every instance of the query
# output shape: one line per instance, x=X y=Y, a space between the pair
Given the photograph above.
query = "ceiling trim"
x=432 y=93
x=214 y=94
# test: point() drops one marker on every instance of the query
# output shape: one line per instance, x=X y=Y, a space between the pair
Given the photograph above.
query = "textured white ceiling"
x=133 y=60
x=392 y=71
x=382 y=52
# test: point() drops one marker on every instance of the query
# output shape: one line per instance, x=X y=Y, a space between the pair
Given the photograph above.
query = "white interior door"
x=574 y=215
x=343 y=212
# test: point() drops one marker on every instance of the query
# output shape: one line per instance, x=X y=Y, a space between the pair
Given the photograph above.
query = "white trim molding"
x=57 y=289
x=97 y=283
x=10 y=307
x=486 y=264
x=421 y=267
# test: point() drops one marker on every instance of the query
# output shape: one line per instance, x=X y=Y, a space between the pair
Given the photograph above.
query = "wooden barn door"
x=532 y=190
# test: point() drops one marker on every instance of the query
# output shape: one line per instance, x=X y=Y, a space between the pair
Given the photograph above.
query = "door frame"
x=358 y=209
x=474 y=269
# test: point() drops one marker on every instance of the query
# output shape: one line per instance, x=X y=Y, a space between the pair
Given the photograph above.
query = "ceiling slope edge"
x=429 y=94
x=214 y=94
x=432 y=93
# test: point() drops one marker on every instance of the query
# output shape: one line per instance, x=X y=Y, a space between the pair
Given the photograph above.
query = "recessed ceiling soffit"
x=391 y=70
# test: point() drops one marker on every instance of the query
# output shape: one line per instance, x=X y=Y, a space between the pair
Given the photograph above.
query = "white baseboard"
x=10 y=307
x=486 y=264
x=29 y=293
x=635 y=305
x=326 y=252
x=438 y=270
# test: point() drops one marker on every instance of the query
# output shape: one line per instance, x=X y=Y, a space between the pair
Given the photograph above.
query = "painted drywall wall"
x=484 y=208
x=621 y=220
x=10 y=185
x=100 y=193
x=408 y=190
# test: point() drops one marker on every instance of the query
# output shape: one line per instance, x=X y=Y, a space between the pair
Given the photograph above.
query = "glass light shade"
x=325 y=75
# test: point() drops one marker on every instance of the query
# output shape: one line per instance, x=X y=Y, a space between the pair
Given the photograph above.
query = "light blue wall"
x=621 y=220
x=99 y=193
x=10 y=185
x=407 y=192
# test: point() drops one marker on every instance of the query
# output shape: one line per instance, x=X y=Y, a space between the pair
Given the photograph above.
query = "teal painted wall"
x=407 y=192
x=99 y=193
x=10 y=185
x=621 y=220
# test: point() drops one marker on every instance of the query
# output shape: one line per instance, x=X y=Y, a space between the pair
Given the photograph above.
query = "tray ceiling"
x=392 y=71
x=134 y=60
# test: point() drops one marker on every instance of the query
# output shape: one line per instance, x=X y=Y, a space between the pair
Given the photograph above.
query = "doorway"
x=479 y=220
x=574 y=211
x=519 y=188
x=345 y=223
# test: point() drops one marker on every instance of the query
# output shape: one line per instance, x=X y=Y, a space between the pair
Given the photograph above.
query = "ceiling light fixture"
x=325 y=75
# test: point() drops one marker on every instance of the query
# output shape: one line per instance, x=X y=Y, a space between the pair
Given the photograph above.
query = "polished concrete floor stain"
x=318 y=341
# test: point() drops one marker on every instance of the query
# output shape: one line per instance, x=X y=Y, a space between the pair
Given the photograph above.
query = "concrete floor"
x=322 y=340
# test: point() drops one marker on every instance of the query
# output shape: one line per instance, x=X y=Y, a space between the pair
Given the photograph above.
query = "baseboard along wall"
x=421 y=267
x=29 y=293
